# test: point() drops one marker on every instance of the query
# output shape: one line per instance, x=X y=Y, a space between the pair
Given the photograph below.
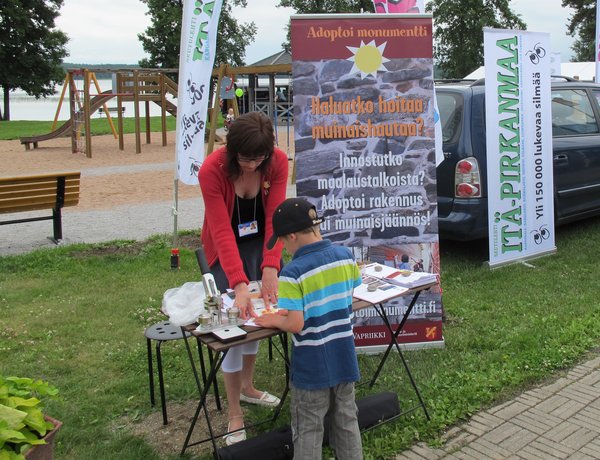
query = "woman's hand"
x=242 y=301
x=270 y=286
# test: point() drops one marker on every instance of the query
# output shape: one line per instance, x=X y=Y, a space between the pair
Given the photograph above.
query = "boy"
x=316 y=290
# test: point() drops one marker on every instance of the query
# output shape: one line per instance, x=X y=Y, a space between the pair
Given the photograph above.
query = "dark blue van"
x=461 y=177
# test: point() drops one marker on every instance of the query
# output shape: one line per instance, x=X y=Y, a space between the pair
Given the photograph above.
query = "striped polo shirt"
x=319 y=281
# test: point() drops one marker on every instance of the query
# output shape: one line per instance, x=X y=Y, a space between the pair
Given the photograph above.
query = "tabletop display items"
x=213 y=304
x=225 y=329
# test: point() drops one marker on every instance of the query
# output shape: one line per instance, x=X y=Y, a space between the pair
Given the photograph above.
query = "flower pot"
x=44 y=451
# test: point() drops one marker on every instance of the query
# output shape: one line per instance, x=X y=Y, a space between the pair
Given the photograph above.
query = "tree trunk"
x=6 y=90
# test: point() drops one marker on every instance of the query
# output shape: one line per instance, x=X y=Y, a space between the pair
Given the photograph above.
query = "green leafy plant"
x=22 y=422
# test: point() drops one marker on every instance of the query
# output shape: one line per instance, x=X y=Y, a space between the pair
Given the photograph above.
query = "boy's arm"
x=292 y=322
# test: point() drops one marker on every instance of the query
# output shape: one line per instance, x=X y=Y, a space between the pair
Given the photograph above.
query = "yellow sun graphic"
x=367 y=58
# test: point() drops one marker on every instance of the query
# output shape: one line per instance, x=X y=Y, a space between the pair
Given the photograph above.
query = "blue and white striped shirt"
x=319 y=281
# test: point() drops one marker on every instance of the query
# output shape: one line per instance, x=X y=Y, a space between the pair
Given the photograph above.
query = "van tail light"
x=467 y=179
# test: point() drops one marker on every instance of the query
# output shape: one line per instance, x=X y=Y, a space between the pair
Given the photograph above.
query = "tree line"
x=32 y=49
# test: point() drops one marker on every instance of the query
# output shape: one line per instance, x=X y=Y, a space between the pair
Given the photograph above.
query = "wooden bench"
x=44 y=191
x=111 y=109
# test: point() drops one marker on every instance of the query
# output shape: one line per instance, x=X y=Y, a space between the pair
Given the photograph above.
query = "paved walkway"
x=130 y=222
x=560 y=420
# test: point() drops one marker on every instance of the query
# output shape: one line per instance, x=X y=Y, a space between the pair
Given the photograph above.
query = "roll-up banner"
x=365 y=150
x=519 y=145
x=197 y=55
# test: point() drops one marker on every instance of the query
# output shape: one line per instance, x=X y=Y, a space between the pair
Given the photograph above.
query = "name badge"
x=248 y=228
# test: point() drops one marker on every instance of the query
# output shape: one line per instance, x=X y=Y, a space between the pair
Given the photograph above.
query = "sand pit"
x=111 y=177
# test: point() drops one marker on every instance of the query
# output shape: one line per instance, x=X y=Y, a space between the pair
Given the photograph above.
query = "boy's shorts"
x=309 y=408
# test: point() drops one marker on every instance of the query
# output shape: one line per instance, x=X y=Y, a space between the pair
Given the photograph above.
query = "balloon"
x=239 y=92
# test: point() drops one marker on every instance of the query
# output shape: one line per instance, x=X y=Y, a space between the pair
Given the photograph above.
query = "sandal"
x=266 y=399
x=235 y=437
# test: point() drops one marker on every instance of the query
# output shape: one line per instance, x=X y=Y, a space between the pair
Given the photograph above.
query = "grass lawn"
x=10 y=130
x=75 y=316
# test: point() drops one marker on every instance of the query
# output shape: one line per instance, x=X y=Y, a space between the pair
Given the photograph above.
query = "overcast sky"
x=105 y=31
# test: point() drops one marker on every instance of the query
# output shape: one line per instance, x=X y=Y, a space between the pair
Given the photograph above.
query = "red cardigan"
x=218 y=193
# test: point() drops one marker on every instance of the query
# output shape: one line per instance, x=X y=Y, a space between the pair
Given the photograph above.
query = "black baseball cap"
x=293 y=215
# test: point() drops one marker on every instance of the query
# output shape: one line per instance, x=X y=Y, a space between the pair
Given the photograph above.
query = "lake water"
x=24 y=107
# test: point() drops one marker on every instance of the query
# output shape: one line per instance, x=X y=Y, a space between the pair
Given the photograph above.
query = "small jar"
x=233 y=315
x=204 y=320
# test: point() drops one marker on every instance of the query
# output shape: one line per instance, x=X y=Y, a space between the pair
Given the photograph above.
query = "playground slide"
x=95 y=103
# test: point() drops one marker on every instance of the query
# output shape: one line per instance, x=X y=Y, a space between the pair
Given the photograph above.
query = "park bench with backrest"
x=39 y=192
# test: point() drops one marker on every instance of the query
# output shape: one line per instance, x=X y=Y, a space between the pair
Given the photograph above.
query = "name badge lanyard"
x=246 y=228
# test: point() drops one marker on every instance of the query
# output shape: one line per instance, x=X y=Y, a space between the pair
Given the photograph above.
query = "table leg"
x=285 y=355
x=394 y=342
x=211 y=360
x=203 y=391
x=215 y=364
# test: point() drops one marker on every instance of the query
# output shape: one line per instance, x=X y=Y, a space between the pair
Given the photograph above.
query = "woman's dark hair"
x=250 y=136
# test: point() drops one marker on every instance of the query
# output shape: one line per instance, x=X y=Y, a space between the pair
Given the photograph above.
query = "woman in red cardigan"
x=242 y=184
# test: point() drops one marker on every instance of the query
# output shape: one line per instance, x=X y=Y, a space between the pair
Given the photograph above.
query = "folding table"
x=359 y=304
x=219 y=350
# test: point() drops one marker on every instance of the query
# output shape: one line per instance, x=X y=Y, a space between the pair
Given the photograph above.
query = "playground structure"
x=131 y=86
x=145 y=86
x=154 y=85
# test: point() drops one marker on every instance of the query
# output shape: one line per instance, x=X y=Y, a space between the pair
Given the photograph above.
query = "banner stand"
x=522 y=260
x=364 y=132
